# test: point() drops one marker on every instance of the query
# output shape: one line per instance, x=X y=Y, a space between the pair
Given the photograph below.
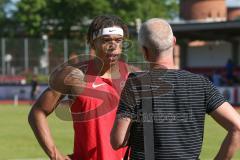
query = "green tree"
x=29 y=14
x=5 y=22
x=3 y=4
x=64 y=15
x=60 y=18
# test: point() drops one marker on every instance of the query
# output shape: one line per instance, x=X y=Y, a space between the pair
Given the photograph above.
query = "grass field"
x=18 y=142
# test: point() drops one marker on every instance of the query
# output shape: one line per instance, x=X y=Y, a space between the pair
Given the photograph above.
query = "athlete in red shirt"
x=93 y=117
x=95 y=86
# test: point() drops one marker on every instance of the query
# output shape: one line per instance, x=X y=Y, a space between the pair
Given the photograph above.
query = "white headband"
x=109 y=31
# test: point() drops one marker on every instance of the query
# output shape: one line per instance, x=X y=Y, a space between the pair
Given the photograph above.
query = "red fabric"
x=93 y=114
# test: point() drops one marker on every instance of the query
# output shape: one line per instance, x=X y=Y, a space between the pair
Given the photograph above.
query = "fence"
x=38 y=56
x=41 y=56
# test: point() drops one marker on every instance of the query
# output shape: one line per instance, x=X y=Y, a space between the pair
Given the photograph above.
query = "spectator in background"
x=34 y=88
x=229 y=72
x=217 y=78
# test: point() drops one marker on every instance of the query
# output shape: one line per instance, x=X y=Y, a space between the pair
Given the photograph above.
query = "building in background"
x=233 y=13
x=203 y=10
x=208 y=35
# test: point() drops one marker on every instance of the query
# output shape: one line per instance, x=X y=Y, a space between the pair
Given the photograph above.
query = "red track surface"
x=21 y=102
x=29 y=102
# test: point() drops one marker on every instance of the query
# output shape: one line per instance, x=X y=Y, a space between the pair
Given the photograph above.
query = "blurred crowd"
x=229 y=76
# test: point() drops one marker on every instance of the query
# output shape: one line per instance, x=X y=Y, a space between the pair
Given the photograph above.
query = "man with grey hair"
x=156 y=41
x=179 y=101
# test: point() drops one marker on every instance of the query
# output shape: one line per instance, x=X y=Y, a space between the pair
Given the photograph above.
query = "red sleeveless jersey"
x=93 y=113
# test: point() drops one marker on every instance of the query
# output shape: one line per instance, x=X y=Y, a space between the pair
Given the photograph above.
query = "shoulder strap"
x=148 y=129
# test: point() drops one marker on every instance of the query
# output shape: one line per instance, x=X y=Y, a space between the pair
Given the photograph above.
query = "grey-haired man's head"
x=156 y=36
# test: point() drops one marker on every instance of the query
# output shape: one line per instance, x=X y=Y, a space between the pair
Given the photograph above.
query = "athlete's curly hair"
x=104 y=21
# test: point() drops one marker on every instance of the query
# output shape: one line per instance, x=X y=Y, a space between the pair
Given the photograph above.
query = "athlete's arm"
x=37 y=119
x=59 y=85
x=64 y=80
x=228 y=118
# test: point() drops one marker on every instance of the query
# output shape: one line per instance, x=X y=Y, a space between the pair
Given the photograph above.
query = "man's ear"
x=145 y=53
x=174 y=40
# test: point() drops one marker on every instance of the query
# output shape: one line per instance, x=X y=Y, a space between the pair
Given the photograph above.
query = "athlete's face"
x=108 y=48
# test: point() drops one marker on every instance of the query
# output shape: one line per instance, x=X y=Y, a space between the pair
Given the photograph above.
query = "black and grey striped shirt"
x=180 y=101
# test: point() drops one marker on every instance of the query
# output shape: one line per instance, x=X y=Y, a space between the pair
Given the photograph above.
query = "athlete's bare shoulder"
x=67 y=76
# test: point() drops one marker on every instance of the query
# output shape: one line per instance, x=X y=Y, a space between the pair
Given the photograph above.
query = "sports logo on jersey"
x=95 y=85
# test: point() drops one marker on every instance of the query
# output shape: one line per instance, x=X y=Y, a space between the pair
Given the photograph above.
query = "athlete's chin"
x=113 y=61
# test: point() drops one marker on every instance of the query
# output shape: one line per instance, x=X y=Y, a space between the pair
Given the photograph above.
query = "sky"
x=11 y=7
x=233 y=3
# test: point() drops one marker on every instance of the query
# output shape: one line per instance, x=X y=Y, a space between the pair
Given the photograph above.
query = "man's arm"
x=120 y=132
x=38 y=121
x=228 y=118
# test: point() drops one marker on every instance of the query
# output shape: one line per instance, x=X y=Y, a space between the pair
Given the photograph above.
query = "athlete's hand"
x=68 y=158
x=58 y=156
x=61 y=157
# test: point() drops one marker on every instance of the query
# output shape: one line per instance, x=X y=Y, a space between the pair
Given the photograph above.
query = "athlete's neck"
x=111 y=71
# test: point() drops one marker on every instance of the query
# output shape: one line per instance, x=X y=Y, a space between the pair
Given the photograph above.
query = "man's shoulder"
x=129 y=67
x=182 y=74
x=136 y=74
x=193 y=79
x=190 y=75
x=132 y=68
